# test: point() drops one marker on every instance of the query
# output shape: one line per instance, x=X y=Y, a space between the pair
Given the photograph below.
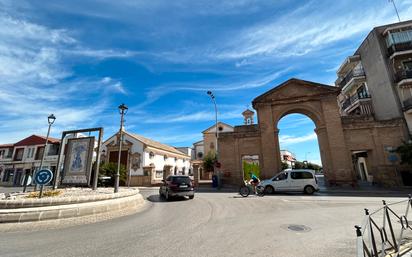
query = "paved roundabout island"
x=66 y=207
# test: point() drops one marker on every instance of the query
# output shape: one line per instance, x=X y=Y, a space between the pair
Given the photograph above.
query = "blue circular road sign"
x=43 y=177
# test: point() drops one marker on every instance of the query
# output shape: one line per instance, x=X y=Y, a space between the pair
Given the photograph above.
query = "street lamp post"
x=216 y=128
x=122 y=110
x=50 y=120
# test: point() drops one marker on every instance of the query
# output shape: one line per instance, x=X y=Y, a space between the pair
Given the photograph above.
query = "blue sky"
x=80 y=59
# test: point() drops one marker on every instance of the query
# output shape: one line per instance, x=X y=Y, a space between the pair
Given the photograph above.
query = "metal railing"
x=403 y=74
x=405 y=46
x=353 y=99
x=384 y=231
x=357 y=72
x=407 y=104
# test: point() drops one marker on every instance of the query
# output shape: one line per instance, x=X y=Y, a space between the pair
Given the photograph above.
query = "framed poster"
x=78 y=161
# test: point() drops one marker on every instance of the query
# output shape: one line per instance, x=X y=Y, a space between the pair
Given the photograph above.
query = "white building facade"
x=147 y=162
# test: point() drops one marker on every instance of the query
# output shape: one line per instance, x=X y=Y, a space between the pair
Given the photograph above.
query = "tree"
x=314 y=166
x=405 y=151
x=209 y=162
x=284 y=166
x=299 y=165
x=110 y=169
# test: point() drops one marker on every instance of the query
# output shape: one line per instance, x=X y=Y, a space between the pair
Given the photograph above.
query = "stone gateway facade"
x=342 y=141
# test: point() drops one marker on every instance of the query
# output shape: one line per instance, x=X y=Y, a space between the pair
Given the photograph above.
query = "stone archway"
x=318 y=102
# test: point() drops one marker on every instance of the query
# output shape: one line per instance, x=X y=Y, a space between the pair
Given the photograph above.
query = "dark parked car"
x=177 y=186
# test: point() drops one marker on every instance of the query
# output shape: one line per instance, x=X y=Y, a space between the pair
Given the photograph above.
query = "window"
x=151 y=155
x=165 y=157
x=281 y=176
x=18 y=156
x=200 y=155
x=159 y=173
x=407 y=65
x=53 y=150
x=180 y=180
x=8 y=175
x=39 y=152
x=9 y=153
x=220 y=128
x=301 y=175
x=30 y=152
x=362 y=93
x=2 y=153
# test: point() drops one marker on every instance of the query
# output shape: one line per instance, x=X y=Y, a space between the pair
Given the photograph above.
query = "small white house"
x=147 y=161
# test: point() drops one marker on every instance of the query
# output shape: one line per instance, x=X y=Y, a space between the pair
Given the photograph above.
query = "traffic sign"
x=43 y=177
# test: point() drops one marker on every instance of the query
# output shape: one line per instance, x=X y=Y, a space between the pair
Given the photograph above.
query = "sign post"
x=42 y=178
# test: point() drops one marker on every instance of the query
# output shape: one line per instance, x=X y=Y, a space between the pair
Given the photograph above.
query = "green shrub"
x=405 y=151
x=209 y=162
x=110 y=169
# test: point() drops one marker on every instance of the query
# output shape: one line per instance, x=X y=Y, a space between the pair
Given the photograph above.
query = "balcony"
x=353 y=75
x=362 y=103
x=399 y=47
x=403 y=75
x=349 y=63
x=407 y=105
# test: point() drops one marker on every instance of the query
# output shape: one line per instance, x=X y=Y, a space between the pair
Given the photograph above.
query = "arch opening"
x=299 y=146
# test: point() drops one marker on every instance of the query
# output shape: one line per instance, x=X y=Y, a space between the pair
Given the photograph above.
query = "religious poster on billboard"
x=250 y=165
x=78 y=161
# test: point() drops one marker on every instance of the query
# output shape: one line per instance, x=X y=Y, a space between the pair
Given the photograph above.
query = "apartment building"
x=22 y=158
x=376 y=81
x=288 y=157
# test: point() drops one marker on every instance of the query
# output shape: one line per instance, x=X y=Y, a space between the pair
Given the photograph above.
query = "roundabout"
x=87 y=205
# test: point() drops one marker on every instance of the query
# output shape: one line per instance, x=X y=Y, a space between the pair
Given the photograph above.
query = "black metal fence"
x=386 y=231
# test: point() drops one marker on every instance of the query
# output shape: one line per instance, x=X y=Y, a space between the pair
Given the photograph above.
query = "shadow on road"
x=158 y=199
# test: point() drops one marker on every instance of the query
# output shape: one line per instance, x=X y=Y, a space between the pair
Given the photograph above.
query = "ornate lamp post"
x=216 y=128
x=122 y=110
x=50 y=120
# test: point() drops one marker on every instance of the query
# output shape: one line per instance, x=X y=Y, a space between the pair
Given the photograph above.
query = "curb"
x=19 y=215
x=36 y=202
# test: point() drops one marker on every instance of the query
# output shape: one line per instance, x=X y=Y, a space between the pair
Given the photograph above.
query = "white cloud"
x=118 y=86
x=100 y=53
x=227 y=85
x=289 y=140
x=193 y=116
x=35 y=82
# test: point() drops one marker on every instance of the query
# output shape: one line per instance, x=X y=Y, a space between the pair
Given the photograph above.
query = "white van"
x=302 y=180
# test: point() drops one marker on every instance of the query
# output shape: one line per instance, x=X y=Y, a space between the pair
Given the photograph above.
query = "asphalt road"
x=213 y=224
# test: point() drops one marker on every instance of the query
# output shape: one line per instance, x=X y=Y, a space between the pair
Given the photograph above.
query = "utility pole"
x=396 y=9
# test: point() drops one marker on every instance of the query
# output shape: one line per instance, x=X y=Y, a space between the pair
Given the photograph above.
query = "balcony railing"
x=407 y=104
x=352 y=74
x=403 y=74
x=405 y=46
x=353 y=99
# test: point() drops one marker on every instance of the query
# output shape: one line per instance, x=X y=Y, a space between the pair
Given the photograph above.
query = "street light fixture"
x=122 y=110
x=50 y=119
